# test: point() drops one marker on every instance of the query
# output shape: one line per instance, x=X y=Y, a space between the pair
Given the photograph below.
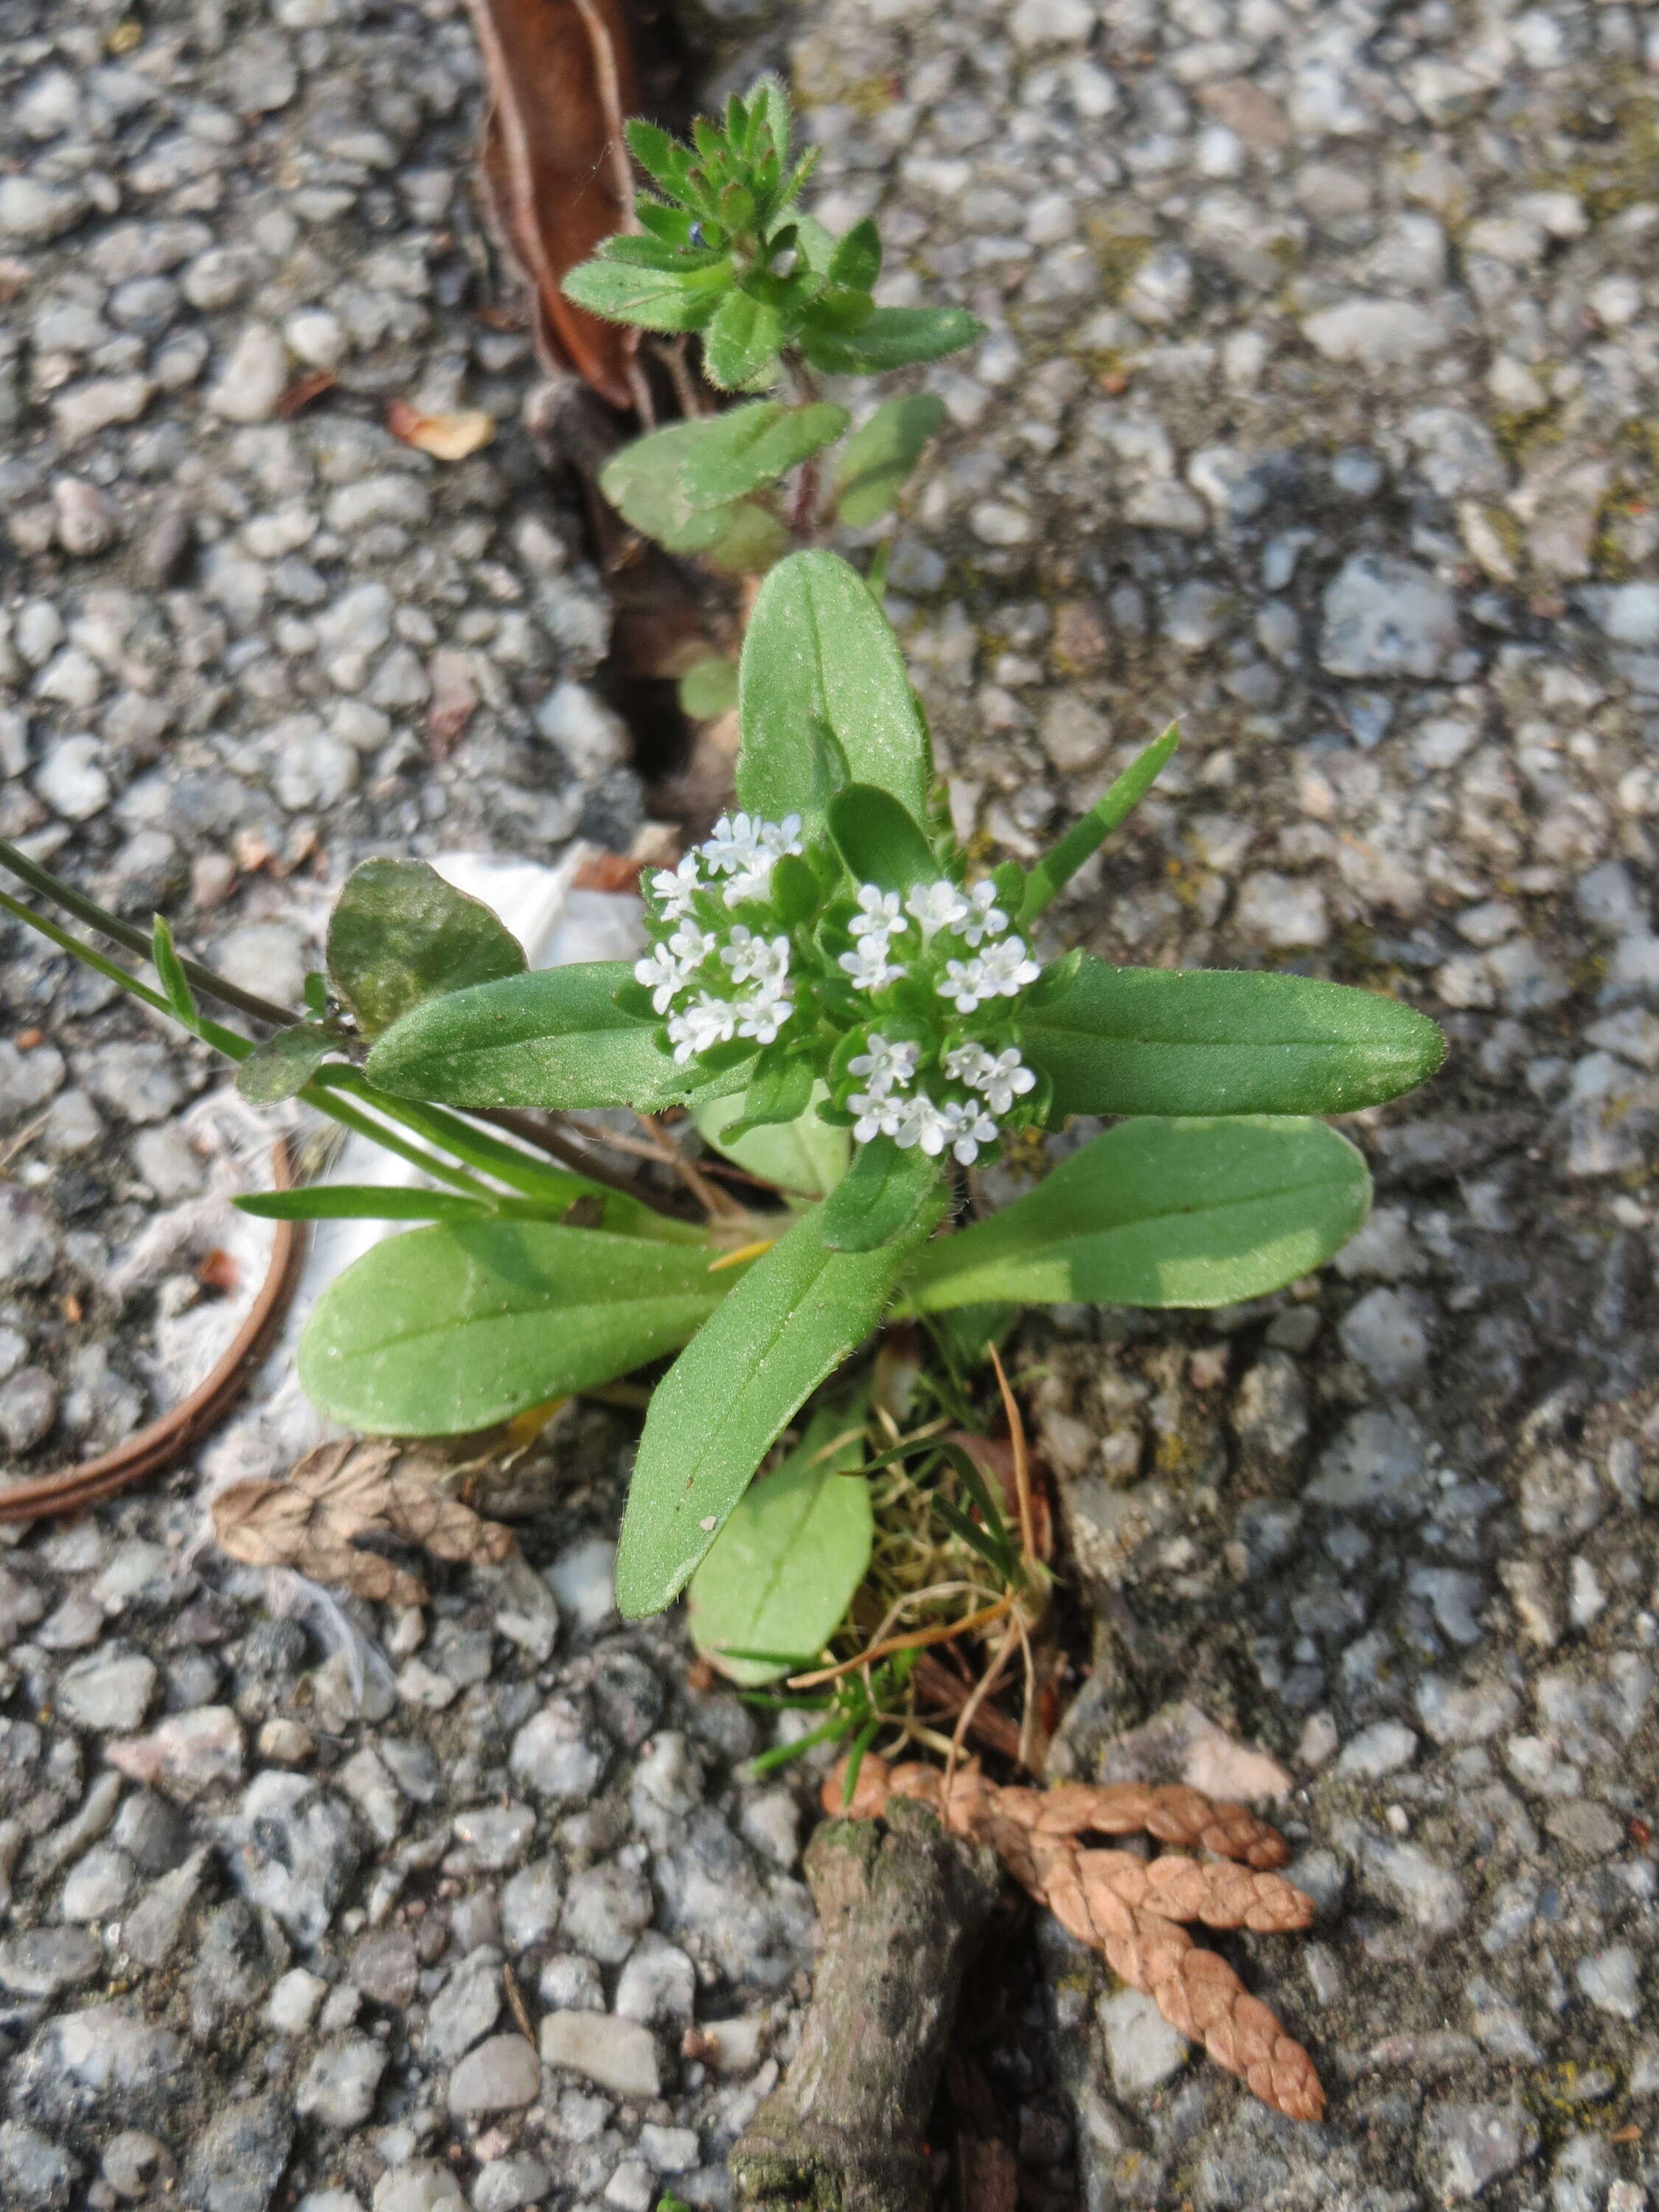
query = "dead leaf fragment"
x=445 y=437
x=555 y=172
x=313 y=1520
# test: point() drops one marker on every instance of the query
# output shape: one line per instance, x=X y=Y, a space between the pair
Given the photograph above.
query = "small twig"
x=515 y=2001
x=941 y=1632
x=714 y=1202
x=1022 y=1461
x=157 y=1446
x=977 y=1697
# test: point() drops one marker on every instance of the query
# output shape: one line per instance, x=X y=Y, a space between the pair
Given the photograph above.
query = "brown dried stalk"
x=342 y=1491
x=1128 y=1908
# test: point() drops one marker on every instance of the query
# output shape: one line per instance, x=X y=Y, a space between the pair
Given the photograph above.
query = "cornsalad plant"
x=849 y=1010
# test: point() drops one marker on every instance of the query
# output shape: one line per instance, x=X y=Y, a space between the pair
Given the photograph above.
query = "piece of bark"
x=901 y=1904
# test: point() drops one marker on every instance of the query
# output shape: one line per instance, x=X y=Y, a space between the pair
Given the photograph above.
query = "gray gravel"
x=1316 y=410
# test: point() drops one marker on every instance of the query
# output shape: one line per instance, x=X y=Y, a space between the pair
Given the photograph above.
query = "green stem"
x=236 y=1047
x=135 y=940
x=1052 y=873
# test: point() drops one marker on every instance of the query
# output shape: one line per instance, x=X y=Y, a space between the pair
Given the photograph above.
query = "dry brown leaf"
x=556 y=173
x=445 y=437
x=342 y=1491
x=1128 y=1908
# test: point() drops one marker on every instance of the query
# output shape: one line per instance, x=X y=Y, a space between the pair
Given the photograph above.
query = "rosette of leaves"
x=1218 y=1182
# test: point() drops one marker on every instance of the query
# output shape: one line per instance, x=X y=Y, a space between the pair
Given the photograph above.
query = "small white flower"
x=922 y=1124
x=967 y=1127
x=885 y=1066
x=878 y=1115
x=763 y=1015
x=879 y=914
x=662 y=974
x=691 y=945
x=754 y=960
x=936 y=907
x=1007 y=967
x=706 y=1021
x=868 y=965
x=672 y=888
x=965 y=984
x=734 y=844
x=984 y=918
x=1001 y=1077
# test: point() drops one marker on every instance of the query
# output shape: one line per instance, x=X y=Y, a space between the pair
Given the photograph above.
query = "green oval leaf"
x=399 y=933
x=876 y=463
x=283 y=1064
x=794 y=1317
x=1223 y=1041
x=449 y=1329
x=881 y=842
x=708 y=687
x=1162 y=1214
x=781 y=1573
x=818 y=651
x=553 y=1038
x=804 y=1156
x=660 y=483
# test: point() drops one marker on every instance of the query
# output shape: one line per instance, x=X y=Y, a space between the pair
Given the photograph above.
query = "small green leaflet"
x=1058 y=867
x=661 y=484
x=880 y=841
x=874 y=465
x=1161 y=1214
x=171 y=970
x=782 y=1572
x=399 y=935
x=283 y=1065
x=652 y=298
x=448 y=1329
x=891 y=337
x=708 y=689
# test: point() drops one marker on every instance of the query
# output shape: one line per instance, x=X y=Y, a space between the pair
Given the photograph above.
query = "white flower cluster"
x=742 y=850
x=736 y=861
x=1001 y=971
x=887 y=1107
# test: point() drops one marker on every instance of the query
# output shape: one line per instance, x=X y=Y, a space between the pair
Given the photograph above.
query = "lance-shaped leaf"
x=399 y=933
x=1056 y=868
x=818 y=651
x=1162 y=1214
x=787 y=1327
x=875 y=464
x=661 y=484
x=653 y=298
x=889 y=337
x=554 y=1038
x=447 y=1330
x=782 y=1571
x=1223 y=1041
x=741 y=348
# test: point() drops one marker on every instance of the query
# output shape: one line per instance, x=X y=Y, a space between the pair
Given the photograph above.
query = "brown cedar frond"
x=344 y=1491
x=1128 y=1908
